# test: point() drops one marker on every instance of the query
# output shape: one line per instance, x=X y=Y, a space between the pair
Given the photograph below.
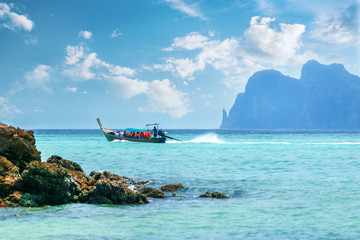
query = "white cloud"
x=85 y=34
x=342 y=26
x=74 y=54
x=193 y=40
x=262 y=47
x=116 y=33
x=7 y=109
x=86 y=66
x=127 y=88
x=189 y=9
x=71 y=89
x=83 y=70
x=222 y=55
x=39 y=78
x=165 y=98
x=265 y=44
x=13 y=20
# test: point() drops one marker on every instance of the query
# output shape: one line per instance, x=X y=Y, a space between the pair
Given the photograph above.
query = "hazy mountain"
x=325 y=97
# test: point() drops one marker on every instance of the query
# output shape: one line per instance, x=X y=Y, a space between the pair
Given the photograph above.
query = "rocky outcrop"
x=213 y=195
x=172 y=187
x=325 y=97
x=25 y=181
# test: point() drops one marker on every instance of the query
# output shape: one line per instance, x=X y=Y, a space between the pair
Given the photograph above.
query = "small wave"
x=330 y=143
x=285 y=143
x=207 y=138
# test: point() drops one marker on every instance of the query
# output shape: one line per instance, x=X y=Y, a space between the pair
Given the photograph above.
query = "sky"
x=176 y=62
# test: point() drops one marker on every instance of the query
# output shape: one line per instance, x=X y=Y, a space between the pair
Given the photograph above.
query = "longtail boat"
x=136 y=135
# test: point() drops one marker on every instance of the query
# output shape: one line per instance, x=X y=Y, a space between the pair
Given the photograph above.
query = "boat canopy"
x=152 y=124
x=134 y=130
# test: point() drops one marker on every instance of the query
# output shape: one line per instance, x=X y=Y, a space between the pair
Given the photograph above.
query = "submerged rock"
x=152 y=192
x=213 y=195
x=172 y=187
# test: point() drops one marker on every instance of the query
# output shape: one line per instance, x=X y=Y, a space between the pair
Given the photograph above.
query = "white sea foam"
x=207 y=138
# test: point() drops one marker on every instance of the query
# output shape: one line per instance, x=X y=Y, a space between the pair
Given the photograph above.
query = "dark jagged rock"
x=213 y=195
x=64 y=163
x=18 y=146
x=51 y=182
x=325 y=97
x=152 y=192
x=172 y=187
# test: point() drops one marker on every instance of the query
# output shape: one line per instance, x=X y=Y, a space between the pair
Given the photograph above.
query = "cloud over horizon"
x=238 y=58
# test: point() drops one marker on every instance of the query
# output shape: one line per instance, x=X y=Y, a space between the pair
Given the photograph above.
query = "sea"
x=280 y=185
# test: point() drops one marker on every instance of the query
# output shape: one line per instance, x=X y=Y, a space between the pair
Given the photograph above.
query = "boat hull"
x=111 y=137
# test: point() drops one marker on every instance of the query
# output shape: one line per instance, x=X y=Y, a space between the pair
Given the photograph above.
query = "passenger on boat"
x=155 y=131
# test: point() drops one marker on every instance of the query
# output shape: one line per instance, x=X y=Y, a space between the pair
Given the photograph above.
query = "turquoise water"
x=281 y=185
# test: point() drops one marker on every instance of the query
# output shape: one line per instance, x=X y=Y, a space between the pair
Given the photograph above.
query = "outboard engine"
x=161 y=133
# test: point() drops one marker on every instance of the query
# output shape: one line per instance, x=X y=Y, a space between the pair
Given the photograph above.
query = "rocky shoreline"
x=25 y=181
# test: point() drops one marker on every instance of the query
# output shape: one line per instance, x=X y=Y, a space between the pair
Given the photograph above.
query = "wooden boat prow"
x=112 y=135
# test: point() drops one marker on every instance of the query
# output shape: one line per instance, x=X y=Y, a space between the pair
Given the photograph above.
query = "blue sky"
x=177 y=62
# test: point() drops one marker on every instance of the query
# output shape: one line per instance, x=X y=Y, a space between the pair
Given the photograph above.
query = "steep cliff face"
x=325 y=97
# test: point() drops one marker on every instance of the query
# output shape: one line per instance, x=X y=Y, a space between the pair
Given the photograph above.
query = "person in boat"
x=155 y=131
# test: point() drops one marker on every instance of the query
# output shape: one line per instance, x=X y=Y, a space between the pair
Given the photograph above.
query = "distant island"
x=325 y=97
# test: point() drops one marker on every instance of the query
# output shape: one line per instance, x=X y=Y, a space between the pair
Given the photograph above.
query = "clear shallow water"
x=281 y=185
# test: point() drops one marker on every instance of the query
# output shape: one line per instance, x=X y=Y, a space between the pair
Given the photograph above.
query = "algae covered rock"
x=172 y=187
x=48 y=180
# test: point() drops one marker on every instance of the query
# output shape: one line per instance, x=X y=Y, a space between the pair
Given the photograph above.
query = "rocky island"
x=325 y=97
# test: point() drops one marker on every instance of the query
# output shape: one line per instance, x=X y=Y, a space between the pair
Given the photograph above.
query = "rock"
x=18 y=146
x=172 y=187
x=140 y=182
x=32 y=200
x=213 y=195
x=54 y=184
x=110 y=192
x=173 y=195
x=10 y=177
x=64 y=163
x=152 y=192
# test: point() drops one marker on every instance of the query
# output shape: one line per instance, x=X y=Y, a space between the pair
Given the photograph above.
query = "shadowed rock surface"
x=25 y=181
